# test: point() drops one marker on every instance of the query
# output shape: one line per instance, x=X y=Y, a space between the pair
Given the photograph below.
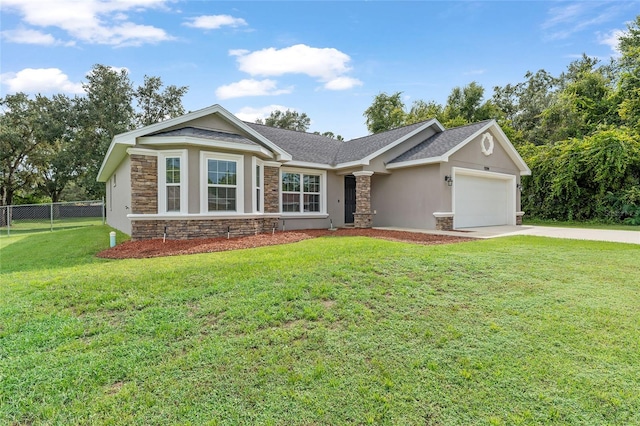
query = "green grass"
x=27 y=226
x=518 y=330
x=577 y=224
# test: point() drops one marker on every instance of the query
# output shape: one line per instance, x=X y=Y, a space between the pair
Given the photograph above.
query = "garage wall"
x=471 y=157
x=407 y=197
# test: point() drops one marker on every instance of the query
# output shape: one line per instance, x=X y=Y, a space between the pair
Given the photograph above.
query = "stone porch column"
x=144 y=184
x=363 y=217
x=271 y=187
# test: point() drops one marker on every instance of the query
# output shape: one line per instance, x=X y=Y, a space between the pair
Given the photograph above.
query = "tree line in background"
x=579 y=132
x=51 y=148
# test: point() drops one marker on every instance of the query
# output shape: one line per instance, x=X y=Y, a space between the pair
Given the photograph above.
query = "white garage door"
x=482 y=201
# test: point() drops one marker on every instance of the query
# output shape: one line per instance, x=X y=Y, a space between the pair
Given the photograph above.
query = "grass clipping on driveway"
x=518 y=330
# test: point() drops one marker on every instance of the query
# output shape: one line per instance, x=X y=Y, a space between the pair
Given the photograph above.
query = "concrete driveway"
x=631 y=237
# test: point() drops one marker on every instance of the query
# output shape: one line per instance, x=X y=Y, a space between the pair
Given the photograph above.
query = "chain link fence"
x=26 y=218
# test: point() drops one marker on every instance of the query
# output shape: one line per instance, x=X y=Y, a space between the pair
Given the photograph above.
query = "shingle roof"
x=356 y=149
x=207 y=134
x=440 y=143
x=302 y=146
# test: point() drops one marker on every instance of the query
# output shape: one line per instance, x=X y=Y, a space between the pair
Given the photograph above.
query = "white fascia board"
x=115 y=155
x=130 y=137
x=512 y=151
x=467 y=140
x=281 y=154
x=397 y=142
x=414 y=163
x=504 y=142
x=309 y=165
x=209 y=143
x=352 y=164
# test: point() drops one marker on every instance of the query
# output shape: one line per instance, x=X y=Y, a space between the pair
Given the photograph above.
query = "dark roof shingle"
x=207 y=134
x=440 y=143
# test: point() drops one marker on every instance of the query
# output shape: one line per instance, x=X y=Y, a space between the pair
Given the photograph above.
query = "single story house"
x=208 y=173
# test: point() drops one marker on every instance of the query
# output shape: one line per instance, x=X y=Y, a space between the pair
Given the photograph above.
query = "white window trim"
x=204 y=185
x=323 y=190
x=162 y=184
x=255 y=162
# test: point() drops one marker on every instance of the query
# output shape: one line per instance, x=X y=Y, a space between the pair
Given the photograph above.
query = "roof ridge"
x=470 y=124
x=289 y=130
x=391 y=130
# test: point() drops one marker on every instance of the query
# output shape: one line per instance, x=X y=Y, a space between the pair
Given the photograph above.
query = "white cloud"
x=611 y=39
x=40 y=80
x=570 y=18
x=214 y=22
x=252 y=114
x=27 y=36
x=250 y=87
x=92 y=21
x=342 y=83
x=323 y=63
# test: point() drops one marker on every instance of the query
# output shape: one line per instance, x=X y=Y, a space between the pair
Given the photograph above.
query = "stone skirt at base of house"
x=201 y=228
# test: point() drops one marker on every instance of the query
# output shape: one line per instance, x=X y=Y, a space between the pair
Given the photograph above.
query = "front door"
x=349 y=198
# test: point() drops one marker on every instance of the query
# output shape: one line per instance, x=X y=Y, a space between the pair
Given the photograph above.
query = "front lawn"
x=518 y=330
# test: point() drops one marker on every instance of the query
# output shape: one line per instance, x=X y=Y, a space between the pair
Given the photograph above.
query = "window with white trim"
x=301 y=192
x=222 y=183
x=258 y=184
x=172 y=185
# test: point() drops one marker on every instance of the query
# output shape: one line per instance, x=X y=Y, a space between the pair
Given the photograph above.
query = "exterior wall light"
x=519 y=186
x=449 y=180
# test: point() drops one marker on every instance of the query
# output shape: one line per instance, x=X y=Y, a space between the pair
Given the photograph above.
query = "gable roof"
x=194 y=132
x=439 y=147
x=440 y=143
x=119 y=144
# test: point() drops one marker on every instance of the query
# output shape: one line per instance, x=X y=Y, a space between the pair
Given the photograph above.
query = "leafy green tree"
x=58 y=160
x=18 y=143
x=423 y=111
x=629 y=84
x=291 y=120
x=580 y=179
x=156 y=105
x=106 y=111
x=385 y=113
x=523 y=103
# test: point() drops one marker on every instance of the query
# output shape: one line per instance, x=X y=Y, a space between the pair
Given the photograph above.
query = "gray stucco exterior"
x=402 y=171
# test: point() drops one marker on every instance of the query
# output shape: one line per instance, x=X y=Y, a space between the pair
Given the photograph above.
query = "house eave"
x=415 y=163
x=208 y=143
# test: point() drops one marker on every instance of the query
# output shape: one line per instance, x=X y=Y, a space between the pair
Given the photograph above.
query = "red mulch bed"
x=156 y=248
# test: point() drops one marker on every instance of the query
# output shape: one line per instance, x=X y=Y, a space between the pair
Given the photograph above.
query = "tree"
x=155 y=105
x=523 y=103
x=18 y=142
x=385 y=113
x=106 y=111
x=58 y=160
x=290 y=120
x=422 y=111
x=628 y=91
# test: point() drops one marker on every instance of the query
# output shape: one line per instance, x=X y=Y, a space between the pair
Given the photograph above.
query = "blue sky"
x=327 y=59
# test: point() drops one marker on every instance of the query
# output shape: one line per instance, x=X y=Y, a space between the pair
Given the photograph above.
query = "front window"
x=221 y=185
x=172 y=182
x=301 y=192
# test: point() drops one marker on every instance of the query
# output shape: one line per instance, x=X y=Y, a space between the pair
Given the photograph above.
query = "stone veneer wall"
x=444 y=223
x=271 y=189
x=184 y=229
x=363 y=218
x=518 y=219
x=144 y=184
